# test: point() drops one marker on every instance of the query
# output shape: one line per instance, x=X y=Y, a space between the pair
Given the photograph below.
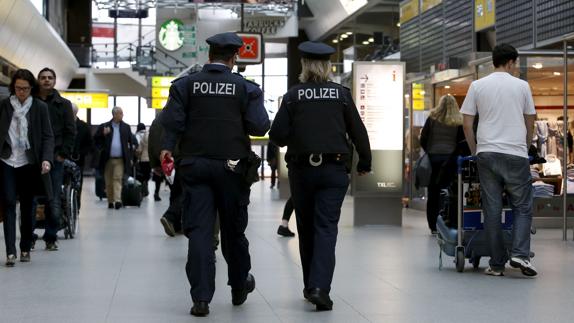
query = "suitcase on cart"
x=467 y=240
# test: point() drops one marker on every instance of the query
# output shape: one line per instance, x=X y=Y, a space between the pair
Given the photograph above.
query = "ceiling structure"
x=269 y=8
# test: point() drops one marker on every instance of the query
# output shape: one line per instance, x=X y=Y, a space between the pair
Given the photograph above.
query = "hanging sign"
x=160 y=90
x=87 y=100
x=252 y=50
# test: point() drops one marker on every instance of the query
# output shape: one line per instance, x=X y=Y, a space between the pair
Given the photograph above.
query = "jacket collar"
x=215 y=68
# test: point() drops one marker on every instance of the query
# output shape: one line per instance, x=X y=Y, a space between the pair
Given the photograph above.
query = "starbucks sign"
x=171 y=34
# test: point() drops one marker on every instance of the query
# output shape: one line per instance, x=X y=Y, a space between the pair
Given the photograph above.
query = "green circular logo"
x=171 y=34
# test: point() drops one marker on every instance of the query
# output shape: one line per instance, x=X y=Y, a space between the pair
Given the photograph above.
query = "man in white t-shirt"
x=505 y=126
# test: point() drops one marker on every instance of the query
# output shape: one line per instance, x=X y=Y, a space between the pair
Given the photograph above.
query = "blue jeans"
x=498 y=172
x=17 y=184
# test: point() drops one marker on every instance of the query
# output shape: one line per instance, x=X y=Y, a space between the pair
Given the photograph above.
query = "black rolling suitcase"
x=132 y=193
x=100 y=185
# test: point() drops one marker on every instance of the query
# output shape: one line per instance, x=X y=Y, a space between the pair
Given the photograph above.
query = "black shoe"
x=110 y=205
x=284 y=231
x=306 y=293
x=239 y=296
x=167 y=226
x=200 y=309
x=25 y=256
x=321 y=299
x=156 y=198
x=118 y=205
x=52 y=246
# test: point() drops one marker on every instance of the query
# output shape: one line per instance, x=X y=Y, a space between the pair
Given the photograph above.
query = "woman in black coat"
x=440 y=139
x=26 y=153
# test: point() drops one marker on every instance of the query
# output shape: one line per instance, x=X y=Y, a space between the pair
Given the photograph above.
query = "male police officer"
x=314 y=120
x=211 y=113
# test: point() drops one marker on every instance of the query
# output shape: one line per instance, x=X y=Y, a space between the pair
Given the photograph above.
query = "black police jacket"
x=63 y=124
x=316 y=118
x=212 y=113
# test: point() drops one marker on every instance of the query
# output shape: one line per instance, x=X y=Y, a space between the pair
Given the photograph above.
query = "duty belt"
x=316 y=160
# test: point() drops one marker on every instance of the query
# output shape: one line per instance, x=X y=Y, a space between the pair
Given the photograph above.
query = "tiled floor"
x=122 y=268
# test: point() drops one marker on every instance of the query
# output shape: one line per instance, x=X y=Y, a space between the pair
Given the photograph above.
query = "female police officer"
x=210 y=114
x=313 y=121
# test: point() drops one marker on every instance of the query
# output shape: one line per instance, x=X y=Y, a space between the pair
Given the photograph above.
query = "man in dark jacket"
x=116 y=143
x=171 y=219
x=64 y=129
x=82 y=145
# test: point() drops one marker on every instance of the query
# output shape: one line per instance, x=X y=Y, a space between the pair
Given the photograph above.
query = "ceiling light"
x=538 y=66
x=366 y=43
x=557 y=73
x=447 y=87
x=371 y=40
x=349 y=32
x=335 y=41
x=398 y=24
x=344 y=36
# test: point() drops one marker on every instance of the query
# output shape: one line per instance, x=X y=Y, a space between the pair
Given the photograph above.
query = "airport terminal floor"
x=123 y=268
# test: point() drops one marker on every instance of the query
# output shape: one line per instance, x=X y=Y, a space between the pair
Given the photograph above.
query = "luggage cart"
x=468 y=240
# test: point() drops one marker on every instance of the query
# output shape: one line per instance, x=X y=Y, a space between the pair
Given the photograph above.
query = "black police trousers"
x=210 y=189
x=318 y=193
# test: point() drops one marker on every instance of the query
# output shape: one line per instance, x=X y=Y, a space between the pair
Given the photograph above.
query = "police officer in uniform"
x=314 y=121
x=210 y=115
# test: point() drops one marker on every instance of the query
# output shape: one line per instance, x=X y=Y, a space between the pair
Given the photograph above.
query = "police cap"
x=229 y=39
x=316 y=50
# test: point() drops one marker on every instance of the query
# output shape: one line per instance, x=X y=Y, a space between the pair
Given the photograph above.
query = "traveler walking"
x=505 y=128
x=314 y=120
x=64 y=130
x=83 y=145
x=143 y=173
x=26 y=153
x=439 y=138
x=115 y=141
x=212 y=113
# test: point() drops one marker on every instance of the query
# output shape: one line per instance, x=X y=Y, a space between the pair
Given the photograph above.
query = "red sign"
x=103 y=31
x=252 y=50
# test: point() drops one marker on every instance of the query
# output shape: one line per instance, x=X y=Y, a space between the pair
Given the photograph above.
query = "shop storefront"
x=552 y=83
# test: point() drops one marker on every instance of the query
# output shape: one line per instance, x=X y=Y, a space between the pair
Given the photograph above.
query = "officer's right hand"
x=164 y=154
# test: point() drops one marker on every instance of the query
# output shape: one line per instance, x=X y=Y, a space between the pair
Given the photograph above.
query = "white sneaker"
x=524 y=265
x=492 y=272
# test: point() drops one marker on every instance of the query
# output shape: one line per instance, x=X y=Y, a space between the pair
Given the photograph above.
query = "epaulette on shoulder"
x=341 y=85
x=248 y=80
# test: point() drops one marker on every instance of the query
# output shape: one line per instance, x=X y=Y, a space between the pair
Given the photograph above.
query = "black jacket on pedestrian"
x=40 y=133
x=40 y=137
x=63 y=124
x=83 y=143
x=104 y=144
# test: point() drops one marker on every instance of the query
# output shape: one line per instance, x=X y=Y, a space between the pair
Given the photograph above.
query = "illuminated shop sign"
x=171 y=34
x=87 y=100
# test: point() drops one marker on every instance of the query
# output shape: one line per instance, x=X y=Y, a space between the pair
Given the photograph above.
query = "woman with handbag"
x=439 y=138
x=26 y=153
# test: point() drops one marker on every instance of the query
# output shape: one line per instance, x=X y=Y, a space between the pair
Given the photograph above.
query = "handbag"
x=423 y=171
